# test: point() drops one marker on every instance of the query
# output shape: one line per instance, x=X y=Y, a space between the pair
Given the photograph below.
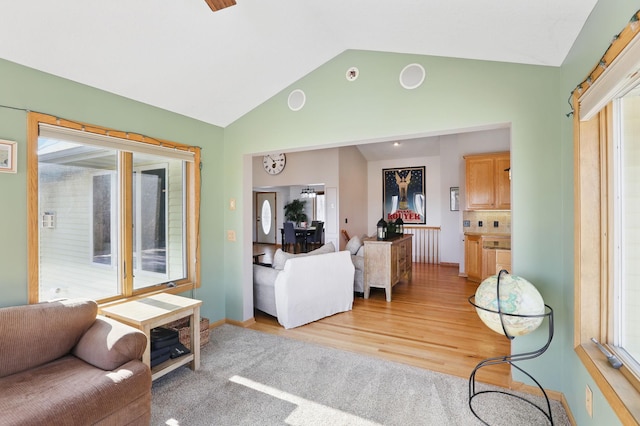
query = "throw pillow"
x=280 y=257
x=354 y=244
x=108 y=344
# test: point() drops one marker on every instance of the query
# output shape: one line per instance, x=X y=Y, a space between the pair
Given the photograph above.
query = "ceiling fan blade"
x=219 y=4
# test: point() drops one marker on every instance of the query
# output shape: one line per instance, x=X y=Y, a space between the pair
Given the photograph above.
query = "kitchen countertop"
x=490 y=234
x=497 y=244
x=495 y=241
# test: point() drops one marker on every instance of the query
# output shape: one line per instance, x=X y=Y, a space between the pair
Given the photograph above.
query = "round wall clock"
x=274 y=163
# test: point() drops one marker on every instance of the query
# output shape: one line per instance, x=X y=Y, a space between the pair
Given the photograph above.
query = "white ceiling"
x=216 y=67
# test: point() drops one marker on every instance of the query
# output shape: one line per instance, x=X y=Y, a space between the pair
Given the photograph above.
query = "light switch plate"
x=231 y=235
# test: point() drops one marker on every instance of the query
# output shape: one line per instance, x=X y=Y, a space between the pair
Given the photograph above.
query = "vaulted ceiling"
x=217 y=66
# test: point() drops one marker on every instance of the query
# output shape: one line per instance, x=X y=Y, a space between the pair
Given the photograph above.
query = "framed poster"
x=8 y=156
x=403 y=195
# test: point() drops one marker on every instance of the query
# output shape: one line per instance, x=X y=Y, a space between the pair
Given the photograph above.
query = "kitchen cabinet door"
x=487 y=183
x=473 y=257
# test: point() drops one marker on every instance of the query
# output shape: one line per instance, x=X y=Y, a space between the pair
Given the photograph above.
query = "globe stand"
x=510 y=359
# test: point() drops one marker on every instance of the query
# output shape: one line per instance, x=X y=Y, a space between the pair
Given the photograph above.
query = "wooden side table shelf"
x=154 y=311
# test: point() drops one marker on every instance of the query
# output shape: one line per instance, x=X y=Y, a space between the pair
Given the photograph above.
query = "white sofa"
x=309 y=287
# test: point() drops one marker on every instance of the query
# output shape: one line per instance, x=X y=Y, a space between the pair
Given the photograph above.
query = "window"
x=607 y=213
x=125 y=211
x=626 y=212
x=265 y=217
x=319 y=206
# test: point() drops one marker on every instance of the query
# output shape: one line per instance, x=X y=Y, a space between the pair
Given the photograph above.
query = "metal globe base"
x=510 y=359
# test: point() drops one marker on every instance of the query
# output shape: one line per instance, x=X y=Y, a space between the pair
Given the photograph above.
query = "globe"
x=517 y=297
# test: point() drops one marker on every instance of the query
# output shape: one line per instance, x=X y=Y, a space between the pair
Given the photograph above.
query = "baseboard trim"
x=449 y=264
x=554 y=395
x=243 y=324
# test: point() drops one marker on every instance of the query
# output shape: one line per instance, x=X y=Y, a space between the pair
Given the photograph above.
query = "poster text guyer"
x=403 y=194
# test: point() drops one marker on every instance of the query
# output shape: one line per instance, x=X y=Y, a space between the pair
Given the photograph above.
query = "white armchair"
x=307 y=288
x=314 y=287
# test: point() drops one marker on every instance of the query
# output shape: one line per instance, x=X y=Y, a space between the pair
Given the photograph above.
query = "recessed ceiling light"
x=396 y=144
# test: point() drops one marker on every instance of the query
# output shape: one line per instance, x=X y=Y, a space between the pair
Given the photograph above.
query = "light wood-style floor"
x=429 y=324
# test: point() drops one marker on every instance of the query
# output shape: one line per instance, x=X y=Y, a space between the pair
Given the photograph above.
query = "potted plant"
x=294 y=212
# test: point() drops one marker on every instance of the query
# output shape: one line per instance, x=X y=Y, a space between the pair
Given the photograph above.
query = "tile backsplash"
x=484 y=222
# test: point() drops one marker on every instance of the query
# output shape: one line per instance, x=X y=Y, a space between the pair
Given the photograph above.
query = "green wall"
x=456 y=94
x=607 y=19
x=25 y=88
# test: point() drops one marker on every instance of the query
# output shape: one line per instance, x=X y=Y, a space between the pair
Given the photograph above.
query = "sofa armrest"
x=264 y=275
x=108 y=344
x=358 y=262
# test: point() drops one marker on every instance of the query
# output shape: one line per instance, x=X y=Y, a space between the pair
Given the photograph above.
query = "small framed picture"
x=454 y=198
x=8 y=156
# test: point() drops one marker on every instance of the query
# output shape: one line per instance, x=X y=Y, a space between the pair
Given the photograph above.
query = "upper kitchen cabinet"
x=488 y=186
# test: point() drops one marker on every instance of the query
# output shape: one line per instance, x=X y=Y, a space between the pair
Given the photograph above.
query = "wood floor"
x=429 y=324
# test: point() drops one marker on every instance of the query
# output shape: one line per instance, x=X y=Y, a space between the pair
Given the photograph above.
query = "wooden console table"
x=386 y=263
x=154 y=311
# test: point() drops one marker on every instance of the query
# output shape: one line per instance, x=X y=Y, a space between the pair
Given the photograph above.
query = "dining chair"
x=316 y=239
x=290 y=241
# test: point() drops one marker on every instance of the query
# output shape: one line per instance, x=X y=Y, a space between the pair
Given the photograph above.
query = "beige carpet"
x=253 y=378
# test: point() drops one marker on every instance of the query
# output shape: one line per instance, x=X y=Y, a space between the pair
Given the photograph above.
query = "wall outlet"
x=588 y=401
x=480 y=223
x=496 y=223
x=466 y=223
x=232 y=204
x=231 y=235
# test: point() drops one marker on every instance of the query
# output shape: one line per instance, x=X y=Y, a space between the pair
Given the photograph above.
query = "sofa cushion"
x=280 y=257
x=69 y=391
x=108 y=344
x=39 y=333
x=354 y=244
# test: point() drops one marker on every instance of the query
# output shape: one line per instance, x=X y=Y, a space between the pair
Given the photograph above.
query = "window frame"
x=192 y=214
x=594 y=250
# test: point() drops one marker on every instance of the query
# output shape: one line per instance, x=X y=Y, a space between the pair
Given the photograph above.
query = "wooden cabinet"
x=386 y=263
x=503 y=260
x=473 y=257
x=486 y=255
x=487 y=183
x=488 y=263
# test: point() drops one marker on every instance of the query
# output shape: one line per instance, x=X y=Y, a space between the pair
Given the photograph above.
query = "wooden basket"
x=184 y=331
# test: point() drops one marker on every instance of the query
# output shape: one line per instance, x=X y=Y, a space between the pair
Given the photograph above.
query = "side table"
x=154 y=311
